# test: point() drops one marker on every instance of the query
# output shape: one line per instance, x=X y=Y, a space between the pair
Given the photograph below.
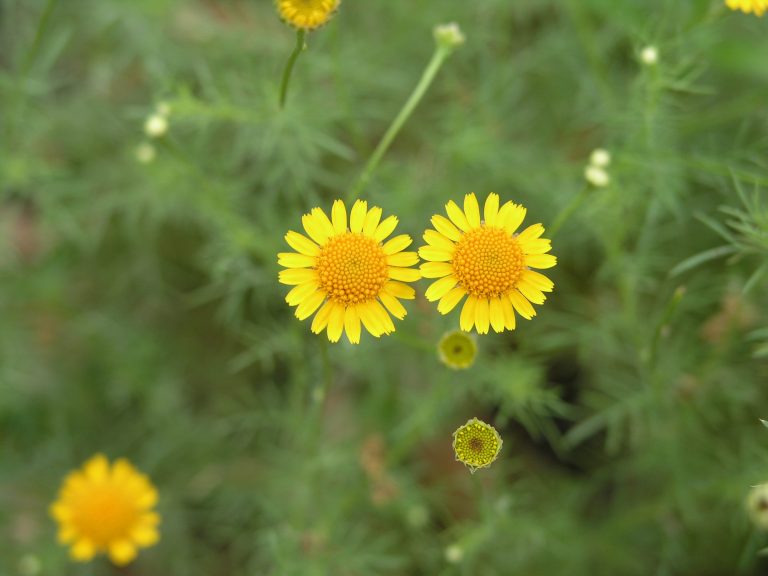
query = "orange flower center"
x=105 y=514
x=488 y=262
x=352 y=268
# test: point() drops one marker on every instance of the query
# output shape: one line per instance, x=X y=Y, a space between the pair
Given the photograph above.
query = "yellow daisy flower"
x=306 y=14
x=106 y=509
x=486 y=261
x=348 y=272
x=457 y=350
x=476 y=444
x=747 y=6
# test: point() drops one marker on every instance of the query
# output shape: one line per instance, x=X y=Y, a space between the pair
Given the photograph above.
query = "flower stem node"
x=476 y=444
x=449 y=36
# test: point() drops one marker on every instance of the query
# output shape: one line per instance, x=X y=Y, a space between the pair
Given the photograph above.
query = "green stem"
x=321 y=390
x=298 y=49
x=439 y=56
x=568 y=211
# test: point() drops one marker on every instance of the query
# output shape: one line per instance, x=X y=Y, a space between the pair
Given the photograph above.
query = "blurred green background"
x=140 y=313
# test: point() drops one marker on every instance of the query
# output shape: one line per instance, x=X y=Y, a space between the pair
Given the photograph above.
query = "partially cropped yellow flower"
x=748 y=6
x=307 y=14
x=486 y=261
x=476 y=444
x=457 y=350
x=106 y=509
x=348 y=272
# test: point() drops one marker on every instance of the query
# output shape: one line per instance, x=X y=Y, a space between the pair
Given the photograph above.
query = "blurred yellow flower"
x=307 y=14
x=106 y=509
x=348 y=272
x=476 y=444
x=487 y=261
x=457 y=350
x=747 y=6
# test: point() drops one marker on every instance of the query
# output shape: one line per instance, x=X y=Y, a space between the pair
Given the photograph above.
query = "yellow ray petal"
x=404 y=259
x=472 y=210
x=435 y=254
x=456 y=215
x=386 y=228
x=440 y=288
x=357 y=216
x=514 y=218
x=370 y=319
x=404 y=274
x=538 y=280
x=336 y=322
x=320 y=321
x=339 y=217
x=435 y=269
x=293 y=260
x=309 y=305
x=397 y=244
x=122 y=552
x=521 y=304
x=82 y=550
x=437 y=240
x=383 y=317
x=491 y=209
x=145 y=536
x=531 y=233
x=509 y=313
x=535 y=246
x=298 y=293
x=315 y=229
x=296 y=276
x=449 y=301
x=496 y=313
x=97 y=468
x=446 y=228
x=352 y=324
x=372 y=221
x=467 y=319
x=400 y=290
x=302 y=244
x=482 y=316
x=530 y=292
x=393 y=305
x=541 y=261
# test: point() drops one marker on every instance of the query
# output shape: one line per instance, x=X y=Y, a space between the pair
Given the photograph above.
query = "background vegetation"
x=140 y=314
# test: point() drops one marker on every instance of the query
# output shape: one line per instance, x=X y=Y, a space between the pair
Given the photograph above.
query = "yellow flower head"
x=486 y=261
x=348 y=272
x=476 y=444
x=106 y=509
x=306 y=14
x=457 y=350
x=747 y=6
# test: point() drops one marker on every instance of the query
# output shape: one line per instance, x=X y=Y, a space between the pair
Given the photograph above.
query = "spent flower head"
x=757 y=506
x=106 y=508
x=485 y=260
x=597 y=176
x=649 y=55
x=306 y=14
x=156 y=125
x=600 y=157
x=476 y=444
x=449 y=36
x=457 y=350
x=347 y=272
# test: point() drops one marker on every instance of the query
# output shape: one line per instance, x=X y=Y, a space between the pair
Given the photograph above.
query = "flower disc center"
x=105 y=514
x=352 y=268
x=488 y=262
